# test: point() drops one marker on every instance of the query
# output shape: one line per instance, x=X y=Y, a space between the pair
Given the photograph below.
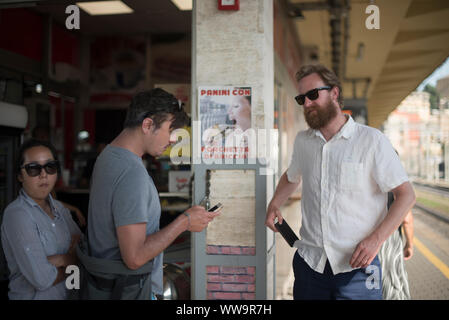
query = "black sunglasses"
x=311 y=94
x=34 y=169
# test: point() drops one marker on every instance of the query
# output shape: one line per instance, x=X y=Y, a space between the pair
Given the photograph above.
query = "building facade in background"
x=421 y=136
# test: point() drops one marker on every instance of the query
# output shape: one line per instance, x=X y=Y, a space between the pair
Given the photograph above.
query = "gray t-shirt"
x=122 y=193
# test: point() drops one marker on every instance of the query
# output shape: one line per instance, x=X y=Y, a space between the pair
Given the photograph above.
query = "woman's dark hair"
x=158 y=105
x=246 y=96
x=31 y=143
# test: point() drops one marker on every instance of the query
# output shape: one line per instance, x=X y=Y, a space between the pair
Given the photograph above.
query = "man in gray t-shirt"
x=124 y=208
x=129 y=192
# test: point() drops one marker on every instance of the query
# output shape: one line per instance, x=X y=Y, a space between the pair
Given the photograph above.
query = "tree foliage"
x=434 y=96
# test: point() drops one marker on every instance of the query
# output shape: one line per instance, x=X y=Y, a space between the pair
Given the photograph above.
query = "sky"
x=440 y=72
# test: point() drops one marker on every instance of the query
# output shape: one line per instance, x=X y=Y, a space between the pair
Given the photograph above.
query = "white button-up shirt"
x=344 y=195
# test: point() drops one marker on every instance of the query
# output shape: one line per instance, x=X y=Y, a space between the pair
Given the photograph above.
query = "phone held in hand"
x=215 y=208
x=286 y=232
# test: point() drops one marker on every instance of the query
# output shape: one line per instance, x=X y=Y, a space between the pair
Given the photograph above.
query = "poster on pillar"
x=225 y=122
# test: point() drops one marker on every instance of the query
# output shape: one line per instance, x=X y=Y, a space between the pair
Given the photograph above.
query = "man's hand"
x=199 y=218
x=408 y=252
x=284 y=189
x=273 y=212
x=80 y=217
x=137 y=248
x=365 y=252
x=75 y=239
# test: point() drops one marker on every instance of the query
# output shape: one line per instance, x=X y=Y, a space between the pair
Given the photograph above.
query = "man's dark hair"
x=31 y=143
x=156 y=104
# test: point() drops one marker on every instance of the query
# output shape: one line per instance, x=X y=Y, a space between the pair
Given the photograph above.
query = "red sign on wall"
x=228 y=5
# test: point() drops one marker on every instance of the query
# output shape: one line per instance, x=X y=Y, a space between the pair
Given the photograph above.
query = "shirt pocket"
x=351 y=176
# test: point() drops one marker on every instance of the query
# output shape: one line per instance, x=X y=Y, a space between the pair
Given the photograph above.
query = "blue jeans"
x=358 y=284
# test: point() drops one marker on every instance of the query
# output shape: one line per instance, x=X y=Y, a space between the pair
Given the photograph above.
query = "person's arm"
x=407 y=226
x=77 y=211
x=21 y=236
x=60 y=276
x=137 y=248
x=69 y=258
x=367 y=249
x=283 y=190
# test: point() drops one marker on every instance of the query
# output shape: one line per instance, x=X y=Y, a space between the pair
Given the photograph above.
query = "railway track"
x=439 y=216
x=440 y=190
x=437 y=190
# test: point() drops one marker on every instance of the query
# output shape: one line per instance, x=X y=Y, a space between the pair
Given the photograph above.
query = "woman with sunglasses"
x=38 y=233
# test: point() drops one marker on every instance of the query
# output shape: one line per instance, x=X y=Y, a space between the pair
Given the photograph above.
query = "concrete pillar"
x=235 y=48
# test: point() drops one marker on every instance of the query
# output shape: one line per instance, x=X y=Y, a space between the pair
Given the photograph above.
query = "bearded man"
x=347 y=171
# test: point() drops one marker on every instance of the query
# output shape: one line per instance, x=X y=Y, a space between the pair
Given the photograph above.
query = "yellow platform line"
x=431 y=257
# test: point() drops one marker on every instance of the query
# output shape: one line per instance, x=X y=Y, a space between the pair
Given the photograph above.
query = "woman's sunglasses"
x=311 y=94
x=34 y=169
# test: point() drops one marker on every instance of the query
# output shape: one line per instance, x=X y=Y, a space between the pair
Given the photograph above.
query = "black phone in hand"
x=286 y=232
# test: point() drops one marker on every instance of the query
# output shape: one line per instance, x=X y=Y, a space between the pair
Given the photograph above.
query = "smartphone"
x=215 y=208
x=287 y=233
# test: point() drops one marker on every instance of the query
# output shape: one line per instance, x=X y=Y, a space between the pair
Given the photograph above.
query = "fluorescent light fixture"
x=38 y=88
x=82 y=135
x=183 y=5
x=95 y=8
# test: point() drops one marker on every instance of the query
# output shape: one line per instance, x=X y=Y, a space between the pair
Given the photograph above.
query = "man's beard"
x=321 y=117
